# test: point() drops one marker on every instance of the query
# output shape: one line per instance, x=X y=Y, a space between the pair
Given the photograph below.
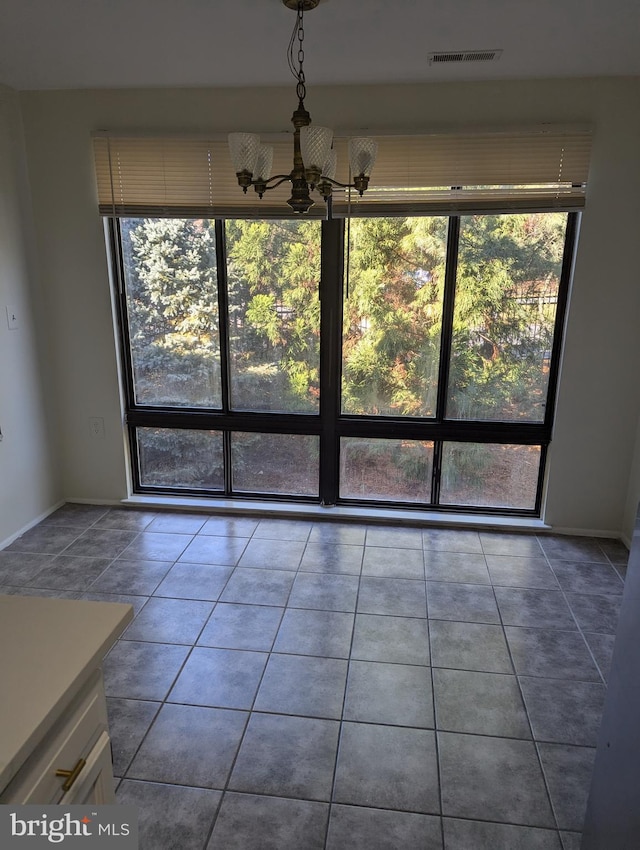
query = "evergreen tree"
x=172 y=311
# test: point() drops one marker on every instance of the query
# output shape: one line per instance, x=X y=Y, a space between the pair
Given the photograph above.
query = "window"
x=392 y=316
x=273 y=280
x=506 y=299
x=405 y=360
x=170 y=276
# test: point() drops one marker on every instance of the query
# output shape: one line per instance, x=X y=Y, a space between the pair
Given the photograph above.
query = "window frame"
x=330 y=424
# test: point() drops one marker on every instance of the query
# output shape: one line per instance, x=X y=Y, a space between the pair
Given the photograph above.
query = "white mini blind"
x=528 y=169
x=180 y=177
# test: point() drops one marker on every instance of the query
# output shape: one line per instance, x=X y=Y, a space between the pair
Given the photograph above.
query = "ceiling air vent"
x=465 y=56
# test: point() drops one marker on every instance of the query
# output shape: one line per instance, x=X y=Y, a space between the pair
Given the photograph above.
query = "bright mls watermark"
x=36 y=827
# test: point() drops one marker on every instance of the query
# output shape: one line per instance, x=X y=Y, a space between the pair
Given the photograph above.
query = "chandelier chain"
x=298 y=35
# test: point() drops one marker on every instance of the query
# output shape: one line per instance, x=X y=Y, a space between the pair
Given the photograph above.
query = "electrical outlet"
x=12 y=318
x=96 y=427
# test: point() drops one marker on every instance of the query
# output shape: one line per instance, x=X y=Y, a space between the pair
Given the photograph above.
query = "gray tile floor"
x=291 y=685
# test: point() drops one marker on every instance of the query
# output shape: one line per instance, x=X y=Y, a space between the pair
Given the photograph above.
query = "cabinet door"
x=95 y=782
x=73 y=737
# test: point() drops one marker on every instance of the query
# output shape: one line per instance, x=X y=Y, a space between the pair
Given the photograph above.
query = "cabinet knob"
x=71 y=775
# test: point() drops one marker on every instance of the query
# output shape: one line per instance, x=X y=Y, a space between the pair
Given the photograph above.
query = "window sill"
x=341 y=513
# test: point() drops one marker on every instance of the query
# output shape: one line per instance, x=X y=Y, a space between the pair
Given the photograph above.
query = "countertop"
x=48 y=649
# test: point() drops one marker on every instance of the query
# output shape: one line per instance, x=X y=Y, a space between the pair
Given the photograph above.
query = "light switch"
x=12 y=318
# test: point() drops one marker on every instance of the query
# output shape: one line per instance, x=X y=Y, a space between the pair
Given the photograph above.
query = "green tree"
x=506 y=290
x=172 y=311
x=273 y=272
x=393 y=316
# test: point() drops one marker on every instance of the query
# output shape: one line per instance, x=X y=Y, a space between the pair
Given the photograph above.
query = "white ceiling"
x=51 y=44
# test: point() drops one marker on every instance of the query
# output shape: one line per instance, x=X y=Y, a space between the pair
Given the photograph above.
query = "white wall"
x=599 y=395
x=598 y=405
x=28 y=485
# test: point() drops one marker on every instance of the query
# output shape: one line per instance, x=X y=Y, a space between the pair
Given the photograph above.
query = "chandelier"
x=314 y=159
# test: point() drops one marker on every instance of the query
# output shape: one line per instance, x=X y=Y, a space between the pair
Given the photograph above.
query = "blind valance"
x=527 y=169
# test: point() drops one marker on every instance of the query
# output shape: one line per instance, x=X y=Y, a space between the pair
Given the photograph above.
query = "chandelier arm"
x=337 y=183
x=360 y=182
x=279 y=177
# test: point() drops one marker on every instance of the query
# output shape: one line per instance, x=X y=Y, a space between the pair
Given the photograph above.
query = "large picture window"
x=405 y=360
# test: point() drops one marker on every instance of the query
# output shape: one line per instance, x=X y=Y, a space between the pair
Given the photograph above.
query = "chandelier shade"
x=315 y=144
x=264 y=163
x=244 y=148
x=330 y=166
x=362 y=156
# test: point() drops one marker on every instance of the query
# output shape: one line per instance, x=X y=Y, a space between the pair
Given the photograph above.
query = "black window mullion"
x=448 y=305
x=332 y=262
x=268 y=423
x=223 y=330
x=117 y=255
x=134 y=455
x=226 y=458
x=435 y=474
x=541 y=475
x=568 y=258
x=115 y=237
x=470 y=431
x=223 y=313
x=446 y=340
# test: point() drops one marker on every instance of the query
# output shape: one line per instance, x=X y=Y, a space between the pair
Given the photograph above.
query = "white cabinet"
x=73 y=763
x=54 y=736
x=95 y=783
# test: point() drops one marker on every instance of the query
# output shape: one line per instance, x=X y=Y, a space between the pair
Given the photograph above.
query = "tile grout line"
x=250 y=711
x=436 y=737
x=533 y=738
x=163 y=702
x=64 y=549
x=578 y=626
x=344 y=701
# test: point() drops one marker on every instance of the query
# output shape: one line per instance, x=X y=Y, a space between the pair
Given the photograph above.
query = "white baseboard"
x=110 y=502
x=587 y=532
x=29 y=525
x=342 y=512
